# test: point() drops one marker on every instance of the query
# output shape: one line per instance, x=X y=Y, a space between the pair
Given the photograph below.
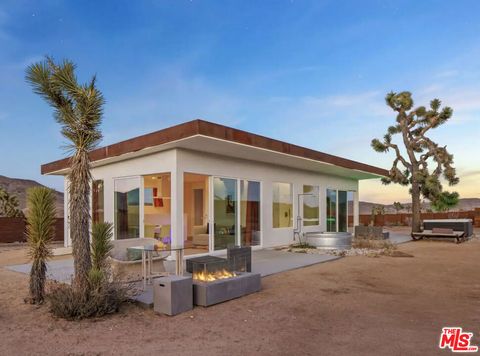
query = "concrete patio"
x=265 y=262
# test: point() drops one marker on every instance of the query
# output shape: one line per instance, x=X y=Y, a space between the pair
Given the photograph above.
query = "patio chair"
x=132 y=270
x=438 y=232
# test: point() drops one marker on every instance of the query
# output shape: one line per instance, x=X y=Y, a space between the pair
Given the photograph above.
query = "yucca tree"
x=40 y=232
x=101 y=244
x=78 y=108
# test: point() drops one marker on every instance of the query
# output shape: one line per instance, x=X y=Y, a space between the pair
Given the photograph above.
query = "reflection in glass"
x=310 y=205
x=97 y=202
x=250 y=213
x=350 y=199
x=224 y=212
x=196 y=228
x=156 y=206
x=342 y=211
x=127 y=212
x=282 y=205
x=331 y=210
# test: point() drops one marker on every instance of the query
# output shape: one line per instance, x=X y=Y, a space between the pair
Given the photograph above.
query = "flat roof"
x=172 y=136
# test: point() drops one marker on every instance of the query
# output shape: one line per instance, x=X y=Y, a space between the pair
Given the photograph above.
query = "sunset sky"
x=313 y=73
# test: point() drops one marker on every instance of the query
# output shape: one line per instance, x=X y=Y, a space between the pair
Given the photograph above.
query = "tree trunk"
x=416 y=207
x=79 y=207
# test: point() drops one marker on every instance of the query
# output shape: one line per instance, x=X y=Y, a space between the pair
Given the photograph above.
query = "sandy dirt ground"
x=352 y=306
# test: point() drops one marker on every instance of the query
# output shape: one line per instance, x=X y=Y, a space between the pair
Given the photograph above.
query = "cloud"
x=447 y=74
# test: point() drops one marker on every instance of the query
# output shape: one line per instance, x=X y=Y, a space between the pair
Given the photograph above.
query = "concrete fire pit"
x=221 y=290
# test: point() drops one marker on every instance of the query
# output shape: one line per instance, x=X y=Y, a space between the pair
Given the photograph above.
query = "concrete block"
x=172 y=295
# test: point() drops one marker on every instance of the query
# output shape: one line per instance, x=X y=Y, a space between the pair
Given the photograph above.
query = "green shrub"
x=40 y=232
x=101 y=245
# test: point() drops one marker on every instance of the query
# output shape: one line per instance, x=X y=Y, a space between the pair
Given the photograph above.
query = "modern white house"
x=204 y=186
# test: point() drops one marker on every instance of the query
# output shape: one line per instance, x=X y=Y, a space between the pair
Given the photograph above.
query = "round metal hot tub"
x=330 y=240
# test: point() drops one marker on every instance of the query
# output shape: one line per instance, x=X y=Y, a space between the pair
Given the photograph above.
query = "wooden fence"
x=13 y=229
x=406 y=219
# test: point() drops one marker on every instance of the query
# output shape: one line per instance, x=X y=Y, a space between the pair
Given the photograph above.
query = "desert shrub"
x=302 y=245
x=104 y=297
x=372 y=244
x=40 y=231
x=105 y=292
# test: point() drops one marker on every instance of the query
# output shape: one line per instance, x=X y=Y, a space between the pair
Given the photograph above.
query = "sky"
x=312 y=73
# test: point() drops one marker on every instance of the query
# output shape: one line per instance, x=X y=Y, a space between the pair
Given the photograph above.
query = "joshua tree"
x=413 y=124
x=397 y=206
x=445 y=202
x=40 y=231
x=78 y=108
x=9 y=205
x=376 y=210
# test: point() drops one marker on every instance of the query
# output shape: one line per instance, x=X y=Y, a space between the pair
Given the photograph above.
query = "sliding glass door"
x=331 y=210
x=342 y=211
x=236 y=213
x=249 y=213
x=339 y=210
x=224 y=212
x=127 y=208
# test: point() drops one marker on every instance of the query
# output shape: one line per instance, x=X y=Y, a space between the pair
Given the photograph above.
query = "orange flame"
x=213 y=276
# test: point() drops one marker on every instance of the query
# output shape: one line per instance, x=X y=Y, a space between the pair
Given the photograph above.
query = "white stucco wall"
x=179 y=161
x=198 y=162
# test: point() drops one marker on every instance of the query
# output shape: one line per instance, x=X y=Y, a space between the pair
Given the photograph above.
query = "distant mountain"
x=18 y=187
x=464 y=204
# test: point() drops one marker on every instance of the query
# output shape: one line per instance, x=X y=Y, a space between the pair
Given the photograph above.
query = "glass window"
x=282 y=205
x=156 y=206
x=224 y=212
x=250 y=213
x=148 y=196
x=350 y=200
x=196 y=229
x=342 y=211
x=310 y=205
x=97 y=202
x=331 y=210
x=127 y=208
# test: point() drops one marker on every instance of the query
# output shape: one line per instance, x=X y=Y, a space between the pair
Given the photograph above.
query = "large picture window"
x=282 y=205
x=310 y=205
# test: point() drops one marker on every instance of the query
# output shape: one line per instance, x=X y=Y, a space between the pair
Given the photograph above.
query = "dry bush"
x=376 y=247
x=105 y=291
x=372 y=244
x=105 y=297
